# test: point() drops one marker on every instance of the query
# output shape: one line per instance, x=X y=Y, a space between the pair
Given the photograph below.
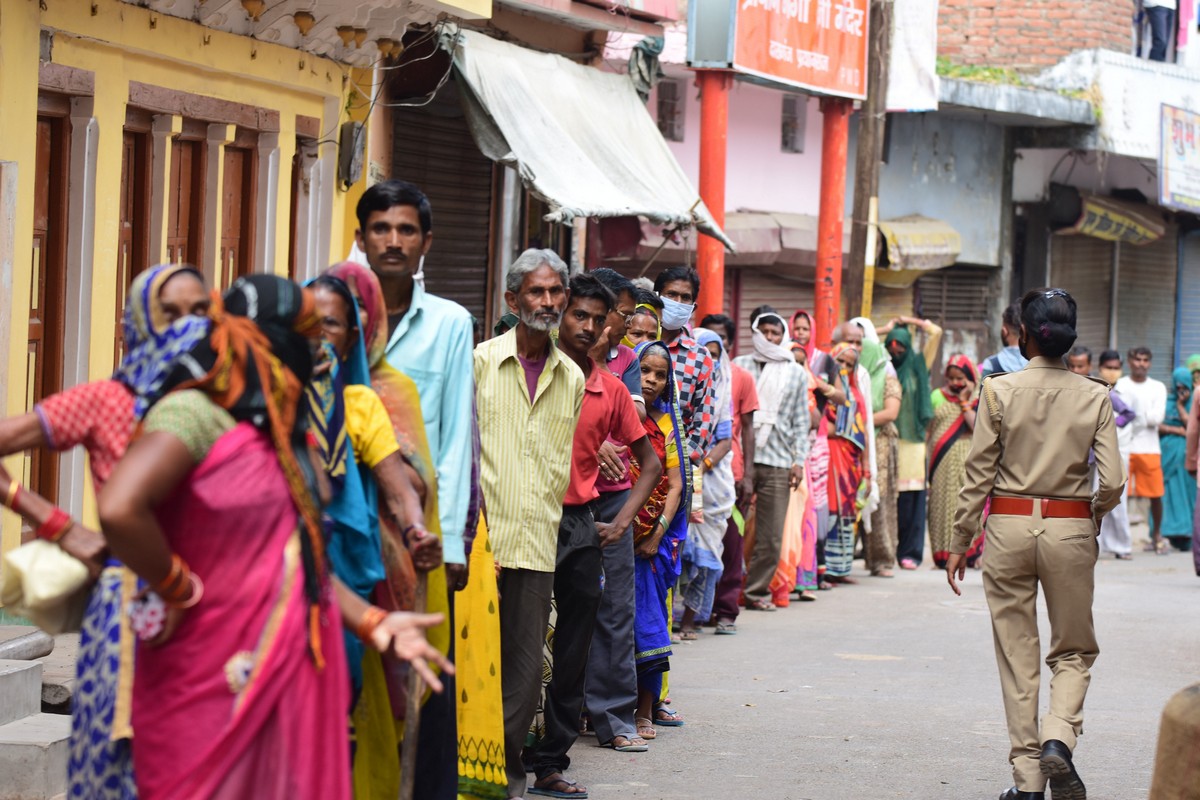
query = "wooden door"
x=44 y=361
x=186 y=202
x=133 y=234
x=237 y=215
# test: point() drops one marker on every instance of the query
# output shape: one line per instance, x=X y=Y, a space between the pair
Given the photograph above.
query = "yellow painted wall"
x=120 y=42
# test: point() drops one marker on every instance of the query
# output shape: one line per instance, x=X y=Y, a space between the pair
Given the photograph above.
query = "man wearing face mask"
x=679 y=287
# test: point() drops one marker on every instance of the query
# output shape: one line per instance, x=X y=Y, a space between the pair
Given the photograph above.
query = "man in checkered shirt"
x=679 y=287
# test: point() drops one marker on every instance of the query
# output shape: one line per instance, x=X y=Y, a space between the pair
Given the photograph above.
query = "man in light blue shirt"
x=431 y=341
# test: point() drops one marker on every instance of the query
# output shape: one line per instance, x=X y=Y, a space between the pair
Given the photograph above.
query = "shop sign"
x=1179 y=160
x=818 y=45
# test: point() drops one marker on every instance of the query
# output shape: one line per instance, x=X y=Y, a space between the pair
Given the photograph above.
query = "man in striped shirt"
x=529 y=397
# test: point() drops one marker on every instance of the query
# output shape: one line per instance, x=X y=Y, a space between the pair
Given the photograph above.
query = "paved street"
x=889 y=689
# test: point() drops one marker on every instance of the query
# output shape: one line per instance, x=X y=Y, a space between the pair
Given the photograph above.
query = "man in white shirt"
x=1148 y=399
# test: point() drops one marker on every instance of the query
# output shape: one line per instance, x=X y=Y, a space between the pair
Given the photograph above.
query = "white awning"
x=580 y=138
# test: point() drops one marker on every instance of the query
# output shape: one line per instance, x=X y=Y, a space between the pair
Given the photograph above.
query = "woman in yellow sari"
x=479 y=705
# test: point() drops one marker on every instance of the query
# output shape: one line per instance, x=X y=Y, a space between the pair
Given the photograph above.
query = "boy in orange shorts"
x=1148 y=398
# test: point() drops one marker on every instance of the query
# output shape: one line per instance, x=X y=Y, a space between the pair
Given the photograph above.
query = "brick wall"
x=1029 y=34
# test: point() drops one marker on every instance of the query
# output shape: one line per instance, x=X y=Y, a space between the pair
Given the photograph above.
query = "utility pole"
x=860 y=273
x=714 y=139
x=831 y=216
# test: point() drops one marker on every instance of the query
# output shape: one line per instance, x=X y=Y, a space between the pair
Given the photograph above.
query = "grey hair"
x=644 y=283
x=531 y=260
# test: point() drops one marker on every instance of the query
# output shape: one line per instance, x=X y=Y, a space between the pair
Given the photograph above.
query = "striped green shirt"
x=525 y=449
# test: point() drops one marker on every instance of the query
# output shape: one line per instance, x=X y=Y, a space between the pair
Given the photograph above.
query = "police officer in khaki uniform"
x=1029 y=454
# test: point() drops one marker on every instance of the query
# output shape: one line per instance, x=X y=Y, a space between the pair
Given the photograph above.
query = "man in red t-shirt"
x=745 y=403
x=607 y=411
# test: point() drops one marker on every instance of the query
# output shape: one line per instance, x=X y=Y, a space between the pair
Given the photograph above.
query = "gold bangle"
x=14 y=491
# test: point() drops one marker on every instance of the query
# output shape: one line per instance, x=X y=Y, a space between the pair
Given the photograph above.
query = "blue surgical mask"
x=675 y=314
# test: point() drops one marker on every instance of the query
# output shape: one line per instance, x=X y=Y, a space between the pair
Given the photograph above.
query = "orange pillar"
x=835 y=114
x=714 y=137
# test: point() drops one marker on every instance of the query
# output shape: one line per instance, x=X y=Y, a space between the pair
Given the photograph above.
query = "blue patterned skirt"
x=99 y=767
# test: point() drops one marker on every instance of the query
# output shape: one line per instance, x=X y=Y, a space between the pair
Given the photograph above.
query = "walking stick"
x=412 y=714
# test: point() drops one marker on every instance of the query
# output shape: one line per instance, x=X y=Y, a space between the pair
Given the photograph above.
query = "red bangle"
x=55 y=526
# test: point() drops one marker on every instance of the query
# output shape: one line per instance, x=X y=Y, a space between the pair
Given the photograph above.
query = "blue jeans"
x=1160 y=20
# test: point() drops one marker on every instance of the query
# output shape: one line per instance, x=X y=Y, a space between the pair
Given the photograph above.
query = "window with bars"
x=792 y=123
x=670 y=110
x=954 y=296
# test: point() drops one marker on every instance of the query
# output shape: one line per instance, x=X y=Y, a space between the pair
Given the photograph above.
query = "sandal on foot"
x=645 y=728
x=808 y=597
x=689 y=635
x=883 y=573
x=727 y=628
x=759 y=605
x=1123 y=556
x=667 y=717
x=567 y=792
x=624 y=744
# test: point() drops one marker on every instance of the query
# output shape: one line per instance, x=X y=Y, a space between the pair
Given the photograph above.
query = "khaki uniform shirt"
x=1047 y=419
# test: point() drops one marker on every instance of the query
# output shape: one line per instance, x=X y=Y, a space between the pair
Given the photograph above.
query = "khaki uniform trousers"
x=1061 y=555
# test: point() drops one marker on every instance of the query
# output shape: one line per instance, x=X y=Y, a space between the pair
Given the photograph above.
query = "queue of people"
x=341 y=539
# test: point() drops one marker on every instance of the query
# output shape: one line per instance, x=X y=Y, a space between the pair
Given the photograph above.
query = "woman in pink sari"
x=241 y=688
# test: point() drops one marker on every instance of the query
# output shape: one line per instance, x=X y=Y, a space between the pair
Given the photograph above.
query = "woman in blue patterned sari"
x=164 y=317
x=658 y=532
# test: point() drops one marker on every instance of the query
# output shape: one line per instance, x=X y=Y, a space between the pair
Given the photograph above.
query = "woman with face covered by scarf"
x=214 y=510
x=164 y=317
x=849 y=473
x=916 y=412
x=478 y=719
x=1179 y=502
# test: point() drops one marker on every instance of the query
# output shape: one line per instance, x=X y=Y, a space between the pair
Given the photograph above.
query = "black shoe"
x=1056 y=765
x=1016 y=794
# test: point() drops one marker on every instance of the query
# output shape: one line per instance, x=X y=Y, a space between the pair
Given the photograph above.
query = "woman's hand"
x=404 y=633
x=87 y=546
x=425 y=549
x=648 y=547
x=967 y=392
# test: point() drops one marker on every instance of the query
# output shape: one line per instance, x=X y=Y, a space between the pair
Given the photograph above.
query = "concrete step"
x=20 y=690
x=33 y=757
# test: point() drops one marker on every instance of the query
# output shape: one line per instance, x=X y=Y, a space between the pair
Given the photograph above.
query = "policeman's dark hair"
x=1109 y=355
x=388 y=194
x=588 y=287
x=714 y=321
x=1049 y=316
x=672 y=274
x=617 y=283
x=342 y=290
x=766 y=310
x=1079 y=350
x=1141 y=351
x=645 y=298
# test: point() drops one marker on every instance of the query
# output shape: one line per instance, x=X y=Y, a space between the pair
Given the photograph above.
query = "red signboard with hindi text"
x=820 y=45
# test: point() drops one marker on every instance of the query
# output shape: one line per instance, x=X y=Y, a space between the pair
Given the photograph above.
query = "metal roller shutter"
x=957 y=299
x=1082 y=266
x=433 y=148
x=1188 y=333
x=1146 y=300
x=759 y=287
x=888 y=303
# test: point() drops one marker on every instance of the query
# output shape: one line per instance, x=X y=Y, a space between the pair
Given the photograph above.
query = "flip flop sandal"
x=554 y=793
x=670 y=718
x=807 y=597
x=630 y=746
x=645 y=728
x=689 y=636
x=727 y=628
x=759 y=605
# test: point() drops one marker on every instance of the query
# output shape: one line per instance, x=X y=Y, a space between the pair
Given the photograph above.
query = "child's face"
x=654 y=377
